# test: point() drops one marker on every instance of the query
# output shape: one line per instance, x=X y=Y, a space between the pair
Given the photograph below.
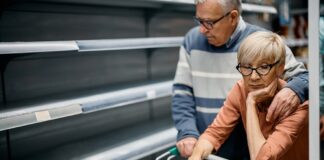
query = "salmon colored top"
x=285 y=139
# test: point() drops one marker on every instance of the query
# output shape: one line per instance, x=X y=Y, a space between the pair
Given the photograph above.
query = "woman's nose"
x=254 y=75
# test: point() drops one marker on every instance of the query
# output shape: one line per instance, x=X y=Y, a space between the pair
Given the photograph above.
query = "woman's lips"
x=259 y=86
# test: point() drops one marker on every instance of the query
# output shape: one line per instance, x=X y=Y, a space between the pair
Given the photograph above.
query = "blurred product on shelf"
x=300 y=28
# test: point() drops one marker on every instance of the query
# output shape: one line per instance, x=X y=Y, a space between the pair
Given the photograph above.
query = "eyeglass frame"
x=211 y=23
x=256 y=68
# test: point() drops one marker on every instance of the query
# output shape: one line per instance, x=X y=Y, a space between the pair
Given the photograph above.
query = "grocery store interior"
x=92 y=80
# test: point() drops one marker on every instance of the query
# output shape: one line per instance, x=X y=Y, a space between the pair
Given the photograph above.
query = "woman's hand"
x=263 y=94
x=202 y=149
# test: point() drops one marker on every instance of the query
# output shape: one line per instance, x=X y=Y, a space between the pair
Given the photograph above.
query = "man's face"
x=212 y=14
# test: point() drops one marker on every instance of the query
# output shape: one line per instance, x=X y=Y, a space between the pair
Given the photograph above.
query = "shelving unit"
x=33 y=114
x=13 y=118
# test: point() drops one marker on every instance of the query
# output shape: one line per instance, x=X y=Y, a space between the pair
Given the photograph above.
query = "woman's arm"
x=253 y=130
x=254 y=135
x=223 y=124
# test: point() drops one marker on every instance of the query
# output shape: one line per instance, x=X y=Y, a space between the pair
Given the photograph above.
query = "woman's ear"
x=280 y=70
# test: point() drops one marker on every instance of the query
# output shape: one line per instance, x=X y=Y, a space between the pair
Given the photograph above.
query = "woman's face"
x=256 y=80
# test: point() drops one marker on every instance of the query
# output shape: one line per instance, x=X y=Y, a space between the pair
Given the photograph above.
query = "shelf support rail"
x=89 y=45
x=103 y=45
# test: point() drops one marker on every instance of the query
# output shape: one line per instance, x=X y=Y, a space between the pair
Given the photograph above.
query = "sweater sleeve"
x=183 y=102
x=226 y=119
x=285 y=134
x=296 y=76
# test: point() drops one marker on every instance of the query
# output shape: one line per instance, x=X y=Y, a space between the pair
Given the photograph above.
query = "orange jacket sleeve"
x=226 y=119
x=285 y=134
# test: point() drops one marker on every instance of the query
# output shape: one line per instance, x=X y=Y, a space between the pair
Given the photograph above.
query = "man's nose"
x=203 y=29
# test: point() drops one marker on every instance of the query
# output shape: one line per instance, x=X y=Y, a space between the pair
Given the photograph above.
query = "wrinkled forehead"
x=257 y=58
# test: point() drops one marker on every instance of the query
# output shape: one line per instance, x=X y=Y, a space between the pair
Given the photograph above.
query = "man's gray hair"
x=227 y=5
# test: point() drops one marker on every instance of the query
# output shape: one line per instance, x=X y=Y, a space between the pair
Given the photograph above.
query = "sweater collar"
x=236 y=34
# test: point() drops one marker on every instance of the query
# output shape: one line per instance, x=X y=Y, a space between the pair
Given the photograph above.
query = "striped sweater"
x=205 y=74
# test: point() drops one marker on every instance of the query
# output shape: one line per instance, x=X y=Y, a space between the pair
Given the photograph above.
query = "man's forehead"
x=206 y=11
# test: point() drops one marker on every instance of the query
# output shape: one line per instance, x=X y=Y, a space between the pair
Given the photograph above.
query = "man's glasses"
x=208 y=24
x=262 y=70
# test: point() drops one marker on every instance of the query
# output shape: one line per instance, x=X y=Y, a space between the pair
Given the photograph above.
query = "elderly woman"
x=261 y=59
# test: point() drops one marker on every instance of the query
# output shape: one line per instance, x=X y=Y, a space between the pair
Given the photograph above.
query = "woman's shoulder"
x=238 y=90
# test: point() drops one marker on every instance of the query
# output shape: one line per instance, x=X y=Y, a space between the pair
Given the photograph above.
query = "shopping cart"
x=173 y=152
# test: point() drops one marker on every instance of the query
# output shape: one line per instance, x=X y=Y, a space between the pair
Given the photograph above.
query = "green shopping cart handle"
x=174 y=151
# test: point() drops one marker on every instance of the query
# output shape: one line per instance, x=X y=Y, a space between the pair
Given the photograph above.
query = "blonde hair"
x=226 y=5
x=261 y=44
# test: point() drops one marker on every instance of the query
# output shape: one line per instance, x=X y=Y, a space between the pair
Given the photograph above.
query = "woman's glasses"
x=262 y=70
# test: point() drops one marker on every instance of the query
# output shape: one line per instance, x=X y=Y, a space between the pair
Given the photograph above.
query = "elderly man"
x=205 y=74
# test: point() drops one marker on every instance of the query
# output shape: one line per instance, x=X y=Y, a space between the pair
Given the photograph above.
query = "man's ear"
x=234 y=16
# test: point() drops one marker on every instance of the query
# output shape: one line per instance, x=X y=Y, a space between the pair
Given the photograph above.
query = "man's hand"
x=186 y=146
x=284 y=103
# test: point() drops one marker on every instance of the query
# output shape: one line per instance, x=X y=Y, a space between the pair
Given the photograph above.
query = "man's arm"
x=296 y=75
x=184 y=106
x=183 y=112
x=222 y=126
x=294 y=93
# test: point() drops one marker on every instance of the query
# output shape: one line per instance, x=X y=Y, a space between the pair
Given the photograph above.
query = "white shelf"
x=104 y=45
x=14 y=118
x=259 y=8
x=139 y=148
x=245 y=6
x=130 y=43
x=89 y=45
x=299 y=11
x=296 y=42
x=33 y=47
x=131 y=143
x=157 y=4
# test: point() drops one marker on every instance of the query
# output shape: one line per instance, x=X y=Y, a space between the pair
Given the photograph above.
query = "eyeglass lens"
x=262 y=70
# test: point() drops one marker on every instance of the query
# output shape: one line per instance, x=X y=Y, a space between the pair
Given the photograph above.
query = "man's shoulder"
x=250 y=28
x=194 y=35
x=194 y=40
x=193 y=32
